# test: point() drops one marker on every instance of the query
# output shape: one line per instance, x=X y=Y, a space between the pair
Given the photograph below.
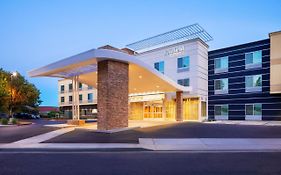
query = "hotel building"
x=185 y=61
x=87 y=99
x=171 y=76
x=244 y=81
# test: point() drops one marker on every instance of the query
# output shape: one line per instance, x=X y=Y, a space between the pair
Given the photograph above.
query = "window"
x=70 y=87
x=62 y=88
x=184 y=82
x=183 y=64
x=253 y=83
x=221 y=86
x=221 y=110
x=253 y=59
x=221 y=64
x=90 y=97
x=80 y=97
x=90 y=87
x=80 y=86
x=159 y=66
x=62 y=99
x=70 y=98
x=253 y=109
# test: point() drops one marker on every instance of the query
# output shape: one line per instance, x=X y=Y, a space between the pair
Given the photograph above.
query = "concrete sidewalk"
x=200 y=144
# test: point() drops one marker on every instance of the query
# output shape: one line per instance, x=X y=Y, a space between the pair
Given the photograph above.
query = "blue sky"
x=34 y=33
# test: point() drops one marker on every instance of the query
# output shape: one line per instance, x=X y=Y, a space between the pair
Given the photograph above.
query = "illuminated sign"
x=151 y=97
x=174 y=51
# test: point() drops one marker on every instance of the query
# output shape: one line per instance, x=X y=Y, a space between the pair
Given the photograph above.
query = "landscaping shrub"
x=14 y=121
x=4 y=121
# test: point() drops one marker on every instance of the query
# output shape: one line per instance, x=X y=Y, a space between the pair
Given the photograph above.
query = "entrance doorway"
x=153 y=110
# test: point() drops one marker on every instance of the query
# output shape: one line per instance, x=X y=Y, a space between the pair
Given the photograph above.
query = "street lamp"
x=14 y=74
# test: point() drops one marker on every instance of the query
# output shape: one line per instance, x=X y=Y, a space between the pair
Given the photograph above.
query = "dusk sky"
x=36 y=33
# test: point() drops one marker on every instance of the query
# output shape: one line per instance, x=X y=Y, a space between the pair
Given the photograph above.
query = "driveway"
x=177 y=130
x=10 y=134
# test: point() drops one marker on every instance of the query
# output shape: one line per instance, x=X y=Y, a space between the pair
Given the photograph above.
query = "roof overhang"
x=142 y=77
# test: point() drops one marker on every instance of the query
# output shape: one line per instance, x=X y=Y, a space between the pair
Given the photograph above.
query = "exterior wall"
x=198 y=66
x=85 y=106
x=237 y=97
x=275 y=62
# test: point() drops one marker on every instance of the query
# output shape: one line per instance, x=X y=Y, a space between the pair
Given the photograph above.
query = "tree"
x=16 y=92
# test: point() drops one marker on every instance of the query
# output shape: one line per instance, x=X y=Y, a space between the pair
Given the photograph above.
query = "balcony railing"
x=84 y=102
x=83 y=89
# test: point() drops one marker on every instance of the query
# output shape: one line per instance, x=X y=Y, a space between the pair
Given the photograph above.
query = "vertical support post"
x=77 y=98
x=73 y=105
x=113 y=79
x=179 y=106
x=199 y=109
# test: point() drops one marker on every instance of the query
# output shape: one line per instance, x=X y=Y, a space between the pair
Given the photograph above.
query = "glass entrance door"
x=153 y=110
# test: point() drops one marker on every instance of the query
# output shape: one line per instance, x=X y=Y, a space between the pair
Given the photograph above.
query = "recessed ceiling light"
x=140 y=76
x=157 y=86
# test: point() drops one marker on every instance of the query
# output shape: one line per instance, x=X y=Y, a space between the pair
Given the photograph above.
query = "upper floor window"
x=221 y=64
x=253 y=109
x=221 y=86
x=253 y=83
x=80 y=86
x=80 y=97
x=183 y=64
x=70 y=87
x=184 y=82
x=90 y=97
x=159 y=66
x=62 y=99
x=62 y=88
x=70 y=98
x=90 y=87
x=253 y=59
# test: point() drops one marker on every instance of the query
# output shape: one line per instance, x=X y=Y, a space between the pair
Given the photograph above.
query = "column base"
x=76 y=122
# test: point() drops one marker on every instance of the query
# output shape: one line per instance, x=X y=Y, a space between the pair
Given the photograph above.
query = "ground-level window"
x=221 y=86
x=184 y=82
x=221 y=110
x=159 y=66
x=253 y=109
x=253 y=83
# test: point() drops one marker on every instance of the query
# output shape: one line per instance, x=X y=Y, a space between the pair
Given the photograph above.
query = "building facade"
x=240 y=82
x=87 y=99
x=235 y=83
x=185 y=63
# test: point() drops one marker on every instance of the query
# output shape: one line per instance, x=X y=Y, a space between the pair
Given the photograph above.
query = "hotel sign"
x=174 y=51
x=142 y=98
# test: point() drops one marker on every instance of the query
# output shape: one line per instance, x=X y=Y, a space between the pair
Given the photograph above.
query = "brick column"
x=179 y=106
x=112 y=95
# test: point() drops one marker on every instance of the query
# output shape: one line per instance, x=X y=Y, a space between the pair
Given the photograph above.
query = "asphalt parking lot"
x=10 y=134
x=179 y=130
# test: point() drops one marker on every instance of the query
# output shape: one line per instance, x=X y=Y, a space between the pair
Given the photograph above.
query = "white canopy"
x=142 y=77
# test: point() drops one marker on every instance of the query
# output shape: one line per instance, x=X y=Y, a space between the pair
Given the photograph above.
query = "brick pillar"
x=113 y=79
x=179 y=106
